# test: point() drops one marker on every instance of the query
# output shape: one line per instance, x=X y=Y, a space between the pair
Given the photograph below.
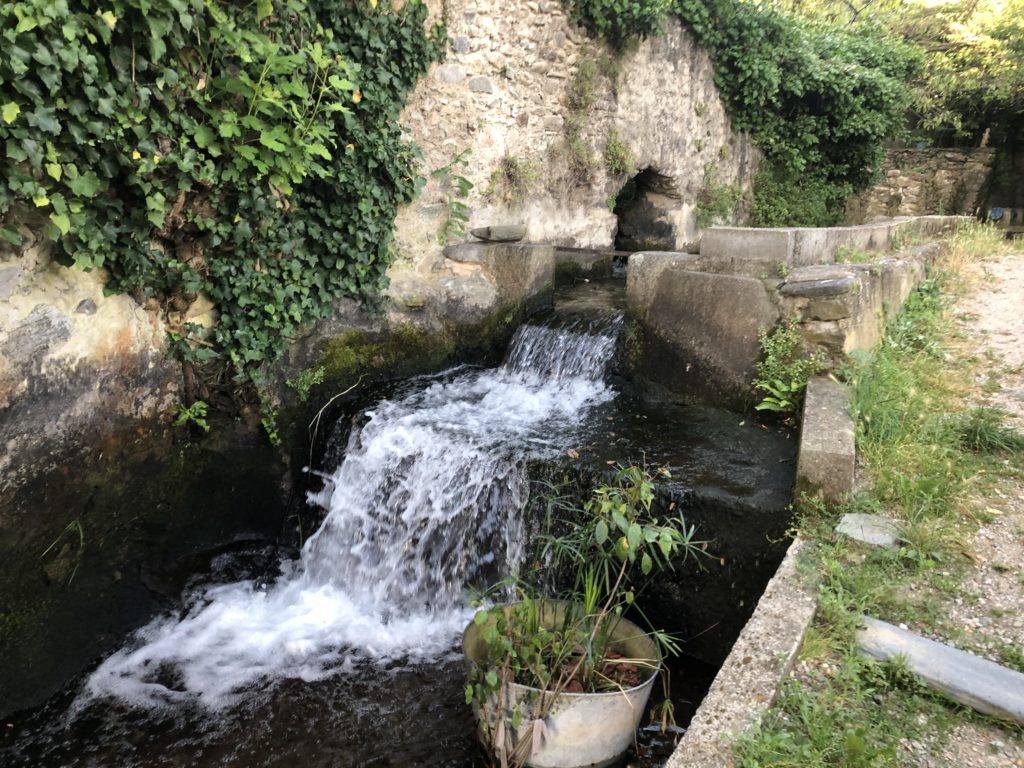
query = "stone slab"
x=500 y=233
x=876 y=530
x=827 y=453
x=701 y=328
x=964 y=677
x=748 y=681
x=769 y=245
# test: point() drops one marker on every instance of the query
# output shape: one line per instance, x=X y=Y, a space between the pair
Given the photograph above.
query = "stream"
x=348 y=655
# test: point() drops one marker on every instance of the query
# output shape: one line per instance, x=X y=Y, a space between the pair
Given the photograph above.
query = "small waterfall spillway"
x=427 y=502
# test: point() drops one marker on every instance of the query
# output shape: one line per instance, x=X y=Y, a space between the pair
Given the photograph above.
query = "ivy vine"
x=819 y=100
x=249 y=150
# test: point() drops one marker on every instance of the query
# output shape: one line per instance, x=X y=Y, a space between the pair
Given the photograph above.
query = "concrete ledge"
x=827 y=454
x=964 y=677
x=760 y=252
x=748 y=681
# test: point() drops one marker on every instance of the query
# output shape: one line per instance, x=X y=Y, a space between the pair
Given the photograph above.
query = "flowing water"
x=347 y=655
x=426 y=504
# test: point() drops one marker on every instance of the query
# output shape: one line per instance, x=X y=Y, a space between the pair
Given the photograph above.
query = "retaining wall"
x=700 y=313
x=918 y=181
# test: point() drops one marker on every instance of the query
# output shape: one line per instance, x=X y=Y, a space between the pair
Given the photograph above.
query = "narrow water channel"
x=347 y=655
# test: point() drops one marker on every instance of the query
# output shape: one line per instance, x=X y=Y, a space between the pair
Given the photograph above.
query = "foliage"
x=617 y=157
x=851 y=254
x=251 y=151
x=716 y=202
x=982 y=430
x=783 y=372
x=608 y=548
x=306 y=380
x=193 y=414
x=619 y=22
x=972 y=83
x=513 y=179
x=818 y=99
x=456 y=188
x=789 y=199
x=975 y=75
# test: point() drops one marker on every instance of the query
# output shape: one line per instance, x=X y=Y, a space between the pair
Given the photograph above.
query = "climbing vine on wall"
x=251 y=150
x=818 y=100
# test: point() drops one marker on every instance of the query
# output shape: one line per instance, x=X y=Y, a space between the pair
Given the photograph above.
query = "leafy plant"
x=617 y=157
x=306 y=380
x=249 y=151
x=608 y=548
x=194 y=414
x=783 y=372
x=621 y=22
x=456 y=188
x=716 y=202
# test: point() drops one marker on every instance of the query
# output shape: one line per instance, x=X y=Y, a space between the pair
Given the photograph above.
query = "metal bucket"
x=581 y=730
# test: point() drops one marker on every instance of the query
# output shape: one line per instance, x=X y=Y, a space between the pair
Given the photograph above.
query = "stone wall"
x=71 y=360
x=917 y=182
x=510 y=89
x=700 y=313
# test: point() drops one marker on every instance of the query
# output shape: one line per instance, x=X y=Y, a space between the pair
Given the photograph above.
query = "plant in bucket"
x=563 y=683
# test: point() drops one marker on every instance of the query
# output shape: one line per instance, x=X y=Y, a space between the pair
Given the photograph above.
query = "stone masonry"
x=915 y=182
x=505 y=92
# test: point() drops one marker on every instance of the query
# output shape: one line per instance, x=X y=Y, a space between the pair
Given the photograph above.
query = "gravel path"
x=990 y=611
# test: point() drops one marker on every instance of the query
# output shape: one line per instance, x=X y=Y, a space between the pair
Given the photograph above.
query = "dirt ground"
x=990 y=612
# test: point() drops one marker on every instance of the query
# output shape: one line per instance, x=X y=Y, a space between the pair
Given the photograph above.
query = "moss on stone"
x=405 y=349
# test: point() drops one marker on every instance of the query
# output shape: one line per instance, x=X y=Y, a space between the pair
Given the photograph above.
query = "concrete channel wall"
x=857 y=299
x=701 y=313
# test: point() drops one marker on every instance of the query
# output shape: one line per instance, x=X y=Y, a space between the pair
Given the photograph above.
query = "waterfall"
x=427 y=502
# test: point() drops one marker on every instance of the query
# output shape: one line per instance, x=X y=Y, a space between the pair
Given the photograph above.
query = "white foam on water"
x=427 y=501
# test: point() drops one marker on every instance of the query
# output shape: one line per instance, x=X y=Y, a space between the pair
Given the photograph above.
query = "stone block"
x=451 y=73
x=876 y=530
x=964 y=677
x=702 y=327
x=825 y=465
x=738 y=244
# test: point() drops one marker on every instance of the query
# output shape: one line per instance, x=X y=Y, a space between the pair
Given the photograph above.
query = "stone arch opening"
x=643 y=207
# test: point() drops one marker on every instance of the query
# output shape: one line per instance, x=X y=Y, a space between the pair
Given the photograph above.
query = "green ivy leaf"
x=11 y=235
x=11 y=112
x=86 y=185
x=62 y=221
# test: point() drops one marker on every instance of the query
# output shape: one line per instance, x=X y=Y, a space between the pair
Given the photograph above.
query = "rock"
x=43 y=328
x=86 y=307
x=964 y=677
x=828 y=309
x=835 y=286
x=460 y=44
x=553 y=123
x=9 y=278
x=451 y=73
x=481 y=84
x=500 y=233
x=876 y=530
x=414 y=301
